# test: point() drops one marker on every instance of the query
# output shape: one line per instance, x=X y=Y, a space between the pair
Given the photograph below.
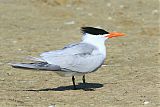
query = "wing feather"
x=80 y=57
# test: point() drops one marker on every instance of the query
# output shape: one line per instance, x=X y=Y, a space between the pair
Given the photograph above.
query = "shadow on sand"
x=80 y=86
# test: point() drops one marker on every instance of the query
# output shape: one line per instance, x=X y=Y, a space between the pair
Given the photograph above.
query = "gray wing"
x=80 y=57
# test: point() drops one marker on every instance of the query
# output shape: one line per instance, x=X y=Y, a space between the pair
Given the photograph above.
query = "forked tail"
x=37 y=66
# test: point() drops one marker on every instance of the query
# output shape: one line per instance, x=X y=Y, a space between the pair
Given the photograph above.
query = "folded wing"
x=81 y=57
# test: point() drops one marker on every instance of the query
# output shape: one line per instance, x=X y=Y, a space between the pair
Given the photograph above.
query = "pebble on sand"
x=154 y=11
x=53 y=105
x=70 y=23
x=109 y=4
x=109 y=18
x=146 y=102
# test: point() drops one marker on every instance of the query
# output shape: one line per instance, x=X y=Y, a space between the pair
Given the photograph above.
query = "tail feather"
x=37 y=66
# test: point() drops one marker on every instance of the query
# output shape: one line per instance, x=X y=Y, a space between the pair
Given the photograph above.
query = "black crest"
x=93 y=31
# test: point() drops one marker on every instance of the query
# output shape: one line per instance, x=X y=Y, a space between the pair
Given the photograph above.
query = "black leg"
x=83 y=78
x=73 y=80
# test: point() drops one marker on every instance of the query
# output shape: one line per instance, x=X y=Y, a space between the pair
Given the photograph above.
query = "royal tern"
x=77 y=58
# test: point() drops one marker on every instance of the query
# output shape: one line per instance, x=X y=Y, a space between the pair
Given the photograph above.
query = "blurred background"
x=29 y=27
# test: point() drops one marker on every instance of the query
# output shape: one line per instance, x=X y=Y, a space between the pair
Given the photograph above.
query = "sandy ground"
x=131 y=77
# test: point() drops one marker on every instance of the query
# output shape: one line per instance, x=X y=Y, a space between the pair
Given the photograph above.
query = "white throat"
x=96 y=40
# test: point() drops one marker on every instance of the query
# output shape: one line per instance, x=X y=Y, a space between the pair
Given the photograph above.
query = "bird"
x=75 y=59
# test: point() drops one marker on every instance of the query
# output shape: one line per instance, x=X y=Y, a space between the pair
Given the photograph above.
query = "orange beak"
x=115 y=34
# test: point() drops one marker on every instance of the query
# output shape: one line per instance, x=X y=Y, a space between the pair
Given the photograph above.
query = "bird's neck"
x=96 y=41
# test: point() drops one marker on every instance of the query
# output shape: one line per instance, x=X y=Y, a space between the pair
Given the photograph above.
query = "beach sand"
x=129 y=79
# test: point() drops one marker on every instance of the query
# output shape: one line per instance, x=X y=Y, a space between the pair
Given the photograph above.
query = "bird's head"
x=98 y=33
